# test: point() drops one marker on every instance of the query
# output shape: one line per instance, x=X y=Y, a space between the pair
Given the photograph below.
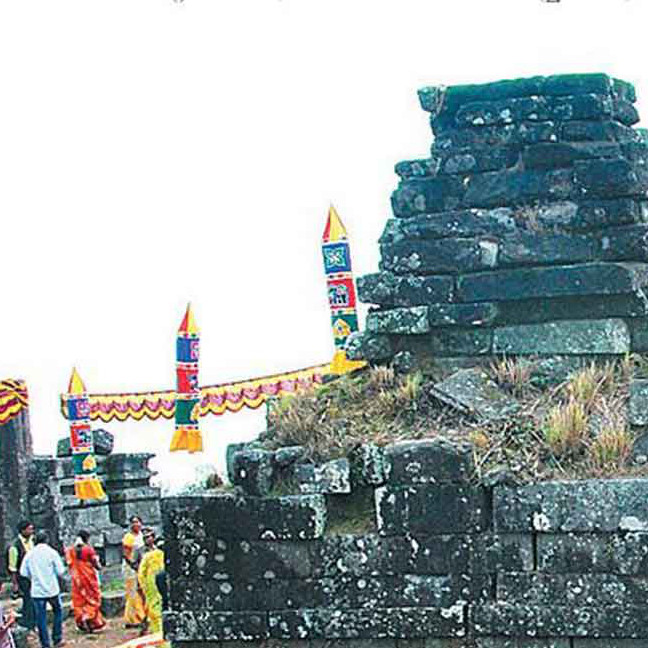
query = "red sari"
x=86 y=594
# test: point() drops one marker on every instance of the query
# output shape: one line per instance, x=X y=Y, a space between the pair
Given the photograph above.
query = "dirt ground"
x=112 y=635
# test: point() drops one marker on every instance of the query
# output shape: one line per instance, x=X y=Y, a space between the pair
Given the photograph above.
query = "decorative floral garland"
x=214 y=399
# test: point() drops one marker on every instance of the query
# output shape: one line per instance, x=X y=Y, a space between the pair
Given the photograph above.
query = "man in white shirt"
x=44 y=567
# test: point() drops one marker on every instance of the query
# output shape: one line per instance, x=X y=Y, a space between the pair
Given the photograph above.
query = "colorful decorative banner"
x=187 y=431
x=214 y=399
x=13 y=399
x=341 y=290
x=86 y=483
x=254 y=393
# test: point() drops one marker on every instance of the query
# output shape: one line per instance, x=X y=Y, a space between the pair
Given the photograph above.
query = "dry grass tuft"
x=610 y=452
x=409 y=390
x=565 y=428
x=381 y=376
x=592 y=382
x=513 y=374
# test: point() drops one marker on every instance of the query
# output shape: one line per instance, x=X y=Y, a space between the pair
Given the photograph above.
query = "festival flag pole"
x=341 y=290
x=187 y=432
x=86 y=483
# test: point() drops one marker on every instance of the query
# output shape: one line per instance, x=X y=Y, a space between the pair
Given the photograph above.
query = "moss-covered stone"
x=573 y=506
x=609 y=336
x=474 y=393
x=428 y=461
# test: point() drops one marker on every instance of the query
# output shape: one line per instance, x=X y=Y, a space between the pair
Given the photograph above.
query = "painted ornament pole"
x=341 y=290
x=187 y=433
x=86 y=483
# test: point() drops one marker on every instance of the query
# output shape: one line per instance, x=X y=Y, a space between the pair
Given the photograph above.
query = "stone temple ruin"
x=524 y=233
x=525 y=230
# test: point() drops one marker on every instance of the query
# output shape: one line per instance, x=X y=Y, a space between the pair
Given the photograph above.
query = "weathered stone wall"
x=450 y=563
x=525 y=230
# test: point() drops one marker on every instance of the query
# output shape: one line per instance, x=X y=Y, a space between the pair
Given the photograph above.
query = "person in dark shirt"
x=20 y=586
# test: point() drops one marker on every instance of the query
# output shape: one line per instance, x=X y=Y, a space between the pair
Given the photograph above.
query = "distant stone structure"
x=15 y=458
x=42 y=488
x=524 y=232
x=126 y=480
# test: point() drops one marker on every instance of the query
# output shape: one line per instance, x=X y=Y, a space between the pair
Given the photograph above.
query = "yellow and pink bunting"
x=214 y=399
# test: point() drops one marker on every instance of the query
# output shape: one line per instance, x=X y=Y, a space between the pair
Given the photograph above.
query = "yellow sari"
x=152 y=564
x=134 y=613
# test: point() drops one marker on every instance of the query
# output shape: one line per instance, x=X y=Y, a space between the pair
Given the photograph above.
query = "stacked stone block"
x=126 y=479
x=452 y=564
x=524 y=232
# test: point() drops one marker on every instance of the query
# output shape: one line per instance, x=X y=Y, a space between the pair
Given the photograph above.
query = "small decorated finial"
x=76 y=385
x=341 y=290
x=334 y=230
x=188 y=324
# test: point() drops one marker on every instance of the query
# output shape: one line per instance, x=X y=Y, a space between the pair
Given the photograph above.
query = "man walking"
x=20 y=587
x=44 y=567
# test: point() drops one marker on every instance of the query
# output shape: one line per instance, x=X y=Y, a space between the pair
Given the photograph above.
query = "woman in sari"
x=86 y=594
x=152 y=564
x=132 y=545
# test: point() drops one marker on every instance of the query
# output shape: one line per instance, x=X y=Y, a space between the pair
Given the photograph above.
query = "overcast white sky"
x=155 y=152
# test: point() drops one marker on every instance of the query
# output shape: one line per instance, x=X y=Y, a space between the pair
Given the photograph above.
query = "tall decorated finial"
x=187 y=433
x=341 y=290
x=86 y=483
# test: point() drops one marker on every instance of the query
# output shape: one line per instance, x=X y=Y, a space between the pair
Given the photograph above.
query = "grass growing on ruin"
x=572 y=427
x=374 y=405
x=577 y=428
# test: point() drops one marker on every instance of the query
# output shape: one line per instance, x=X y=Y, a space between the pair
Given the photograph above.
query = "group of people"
x=36 y=571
